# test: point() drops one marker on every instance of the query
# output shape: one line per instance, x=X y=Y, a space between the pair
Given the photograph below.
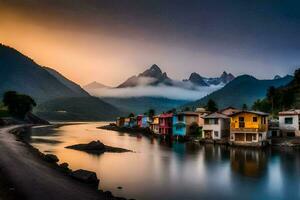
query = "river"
x=178 y=171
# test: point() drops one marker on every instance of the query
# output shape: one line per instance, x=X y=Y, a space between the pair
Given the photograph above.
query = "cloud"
x=155 y=91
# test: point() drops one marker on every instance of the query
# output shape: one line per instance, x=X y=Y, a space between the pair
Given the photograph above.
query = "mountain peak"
x=277 y=77
x=95 y=85
x=154 y=72
x=226 y=77
x=197 y=79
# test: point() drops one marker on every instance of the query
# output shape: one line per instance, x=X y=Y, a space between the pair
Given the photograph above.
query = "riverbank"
x=31 y=177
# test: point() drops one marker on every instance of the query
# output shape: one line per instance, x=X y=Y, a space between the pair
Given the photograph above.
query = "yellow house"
x=154 y=126
x=248 y=127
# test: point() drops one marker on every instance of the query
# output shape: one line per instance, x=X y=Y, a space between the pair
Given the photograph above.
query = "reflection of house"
x=248 y=162
x=154 y=126
x=185 y=123
x=165 y=124
x=216 y=126
x=289 y=123
x=248 y=127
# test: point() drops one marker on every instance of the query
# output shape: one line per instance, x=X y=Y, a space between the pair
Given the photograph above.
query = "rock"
x=51 y=158
x=85 y=176
x=64 y=167
x=96 y=147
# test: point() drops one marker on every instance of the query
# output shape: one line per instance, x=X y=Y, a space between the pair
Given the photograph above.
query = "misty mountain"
x=95 y=85
x=244 y=89
x=48 y=87
x=139 y=105
x=155 y=77
x=152 y=76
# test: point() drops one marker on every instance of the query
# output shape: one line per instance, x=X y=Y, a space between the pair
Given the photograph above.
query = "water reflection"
x=164 y=170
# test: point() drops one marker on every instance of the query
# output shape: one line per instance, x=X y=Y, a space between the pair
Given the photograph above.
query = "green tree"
x=187 y=109
x=262 y=105
x=271 y=93
x=18 y=104
x=211 y=106
x=151 y=113
x=245 y=107
x=131 y=115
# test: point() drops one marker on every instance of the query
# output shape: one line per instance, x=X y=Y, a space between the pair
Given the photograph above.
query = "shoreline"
x=292 y=142
x=28 y=176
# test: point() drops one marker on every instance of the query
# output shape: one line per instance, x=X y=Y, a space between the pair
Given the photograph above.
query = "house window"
x=288 y=120
x=254 y=119
x=241 y=122
x=216 y=133
x=254 y=137
x=216 y=121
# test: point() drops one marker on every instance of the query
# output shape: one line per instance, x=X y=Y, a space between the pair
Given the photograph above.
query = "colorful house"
x=249 y=127
x=165 y=124
x=143 y=121
x=185 y=123
x=216 y=126
x=154 y=126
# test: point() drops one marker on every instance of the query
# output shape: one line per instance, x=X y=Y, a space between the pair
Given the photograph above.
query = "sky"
x=110 y=40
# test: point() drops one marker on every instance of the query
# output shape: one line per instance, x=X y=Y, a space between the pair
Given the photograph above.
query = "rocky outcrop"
x=96 y=147
x=85 y=176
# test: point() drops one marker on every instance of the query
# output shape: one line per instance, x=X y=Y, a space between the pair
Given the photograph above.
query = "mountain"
x=95 y=85
x=277 y=77
x=77 y=109
x=140 y=105
x=152 y=76
x=222 y=80
x=22 y=74
x=68 y=83
x=196 y=79
x=49 y=88
x=244 y=89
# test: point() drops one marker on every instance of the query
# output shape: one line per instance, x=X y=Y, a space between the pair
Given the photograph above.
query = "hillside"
x=244 y=89
x=51 y=90
x=77 y=109
x=140 y=105
x=68 y=83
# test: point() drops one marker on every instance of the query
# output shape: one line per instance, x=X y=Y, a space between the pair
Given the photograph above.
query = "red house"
x=165 y=124
x=139 y=120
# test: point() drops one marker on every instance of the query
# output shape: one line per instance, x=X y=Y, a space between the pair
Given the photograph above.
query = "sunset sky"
x=108 y=41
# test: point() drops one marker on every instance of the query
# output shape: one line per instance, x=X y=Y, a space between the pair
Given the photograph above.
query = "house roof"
x=216 y=115
x=229 y=110
x=290 y=112
x=250 y=111
x=164 y=115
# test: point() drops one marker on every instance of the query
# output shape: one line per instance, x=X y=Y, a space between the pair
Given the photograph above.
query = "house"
x=289 y=123
x=132 y=122
x=229 y=110
x=154 y=126
x=202 y=113
x=249 y=127
x=126 y=122
x=216 y=126
x=120 y=121
x=165 y=124
x=185 y=123
x=139 y=120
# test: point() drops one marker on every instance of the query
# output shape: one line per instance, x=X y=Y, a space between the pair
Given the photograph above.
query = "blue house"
x=184 y=123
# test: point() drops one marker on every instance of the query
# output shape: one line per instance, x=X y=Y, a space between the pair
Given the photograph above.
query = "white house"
x=216 y=126
x=289 y=123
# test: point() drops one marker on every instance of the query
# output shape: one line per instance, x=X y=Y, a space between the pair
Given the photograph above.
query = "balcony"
x=248 y=128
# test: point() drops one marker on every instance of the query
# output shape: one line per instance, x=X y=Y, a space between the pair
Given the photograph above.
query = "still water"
x=185 y=171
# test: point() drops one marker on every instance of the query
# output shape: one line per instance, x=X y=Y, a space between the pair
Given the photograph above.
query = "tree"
x=18 y=104
x=245 y=107
x=211 y=106
x=262 y=105
x=271 y=96
x=151 y=113
x=131 y=115
x=187 y=109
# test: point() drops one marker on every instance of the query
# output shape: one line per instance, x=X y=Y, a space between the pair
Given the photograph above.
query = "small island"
x=97 y=147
